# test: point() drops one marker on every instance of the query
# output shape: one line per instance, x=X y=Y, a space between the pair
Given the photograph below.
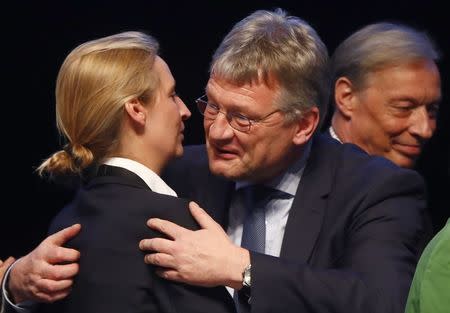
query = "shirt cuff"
x=22 y=307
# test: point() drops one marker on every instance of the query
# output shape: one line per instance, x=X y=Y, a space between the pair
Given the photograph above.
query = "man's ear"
x=344 y=96
x=306 y=126
x=136 y=111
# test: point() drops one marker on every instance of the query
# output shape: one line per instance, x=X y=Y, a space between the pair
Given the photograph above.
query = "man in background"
x=387 y=91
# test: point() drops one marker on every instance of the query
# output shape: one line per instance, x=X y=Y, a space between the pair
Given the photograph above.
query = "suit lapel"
x=308 y=209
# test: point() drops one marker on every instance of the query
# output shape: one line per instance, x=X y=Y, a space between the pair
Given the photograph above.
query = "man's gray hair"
x=377 y=46
x=271 y=47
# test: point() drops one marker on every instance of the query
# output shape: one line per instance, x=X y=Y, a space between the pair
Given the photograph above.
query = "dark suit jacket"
x=351 y=239
x=428 y=232
x=113 y=211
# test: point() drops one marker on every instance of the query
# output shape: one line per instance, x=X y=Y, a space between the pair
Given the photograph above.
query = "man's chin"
x=407 y=163
x=403 y=160
x=220 y=168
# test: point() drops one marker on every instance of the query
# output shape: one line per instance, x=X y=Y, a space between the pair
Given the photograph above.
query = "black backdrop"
x=189 y=31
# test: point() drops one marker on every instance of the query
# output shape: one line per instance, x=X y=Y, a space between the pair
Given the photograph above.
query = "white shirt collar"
x=333 y=134
x=153 y=181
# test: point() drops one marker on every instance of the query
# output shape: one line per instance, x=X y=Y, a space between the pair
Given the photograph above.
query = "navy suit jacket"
x=113 y=277
x=352 y=237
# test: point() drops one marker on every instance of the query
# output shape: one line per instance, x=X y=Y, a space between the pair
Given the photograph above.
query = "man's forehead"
x=221 y=85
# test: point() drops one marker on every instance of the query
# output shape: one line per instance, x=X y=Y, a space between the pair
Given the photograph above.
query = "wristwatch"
x=247 y=280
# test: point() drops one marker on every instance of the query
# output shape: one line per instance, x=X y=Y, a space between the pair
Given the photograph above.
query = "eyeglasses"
x=236 y=120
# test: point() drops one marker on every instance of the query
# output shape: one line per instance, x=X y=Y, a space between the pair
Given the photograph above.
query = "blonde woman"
x=118 y=111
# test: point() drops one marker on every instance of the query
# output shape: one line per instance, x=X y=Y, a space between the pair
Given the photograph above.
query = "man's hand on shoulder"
x=205 y=257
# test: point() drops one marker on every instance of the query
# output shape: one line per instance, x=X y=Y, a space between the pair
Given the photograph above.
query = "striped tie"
x=255 y=198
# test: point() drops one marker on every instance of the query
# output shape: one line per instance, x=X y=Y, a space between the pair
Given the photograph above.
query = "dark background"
x=43 y=33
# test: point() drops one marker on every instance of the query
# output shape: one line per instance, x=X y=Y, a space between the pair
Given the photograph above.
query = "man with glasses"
x=311 y=225
x=340 y=229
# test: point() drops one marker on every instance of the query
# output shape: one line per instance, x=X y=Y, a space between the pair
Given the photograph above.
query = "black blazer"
x=352 y=237
x=113 y=209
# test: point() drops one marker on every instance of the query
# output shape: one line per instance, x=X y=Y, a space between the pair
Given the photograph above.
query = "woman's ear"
x=136 y=111
x=306 y=126
x=344 y=96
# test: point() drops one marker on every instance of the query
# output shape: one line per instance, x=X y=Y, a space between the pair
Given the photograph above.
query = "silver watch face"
x=247 y=279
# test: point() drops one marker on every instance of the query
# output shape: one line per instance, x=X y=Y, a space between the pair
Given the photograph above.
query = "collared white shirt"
x=153 y=181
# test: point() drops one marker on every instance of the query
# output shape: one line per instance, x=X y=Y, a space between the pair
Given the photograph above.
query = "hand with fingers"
x=4 y=266
x=46 y=274
x=205 y=257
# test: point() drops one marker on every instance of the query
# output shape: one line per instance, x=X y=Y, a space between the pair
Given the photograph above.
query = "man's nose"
x=220 y=128
x=422 y=125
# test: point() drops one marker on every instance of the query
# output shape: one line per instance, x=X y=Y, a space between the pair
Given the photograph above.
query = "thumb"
x=202 y=218
x=64 y=235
